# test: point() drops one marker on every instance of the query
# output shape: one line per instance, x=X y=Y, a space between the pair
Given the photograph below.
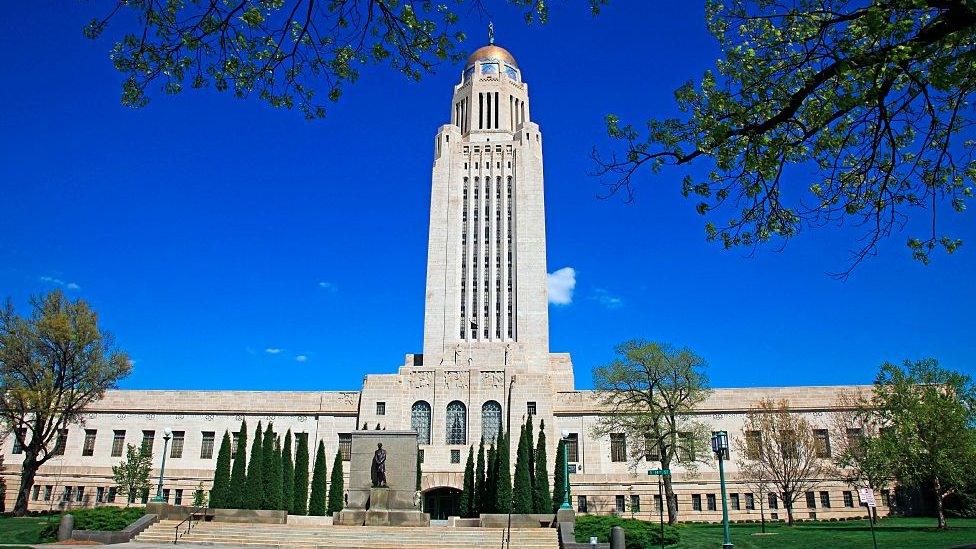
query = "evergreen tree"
x=530 y=449
x=275 y=501
x=467 y=486
x=503 y=489
x=267 y=475
x=336 y=503
x=419 y=474
x=287 y=476
x=316 y=503
x=301 y=475
x=479 y=480
x=254 y=485
x=559 y=476
x=221 y=482
x=541 y=496
x=491 y=481
x=522 y=489
x=235 y=493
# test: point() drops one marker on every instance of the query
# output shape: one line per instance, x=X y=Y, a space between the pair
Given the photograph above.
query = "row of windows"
x=754 y=442
x=737 y=502
x=103 y=494
x=456 y=421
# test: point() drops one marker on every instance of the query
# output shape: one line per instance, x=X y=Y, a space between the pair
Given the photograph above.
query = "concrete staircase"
x=348 y=537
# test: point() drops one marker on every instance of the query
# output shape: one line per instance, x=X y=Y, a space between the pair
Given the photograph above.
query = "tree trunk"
x=788 y=501
x=669 y=495
x=940 y=511
x=29 y=469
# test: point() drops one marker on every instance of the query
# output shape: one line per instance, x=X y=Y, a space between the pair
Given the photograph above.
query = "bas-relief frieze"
x=494 y=380
x=456 y=380
x=422 y=379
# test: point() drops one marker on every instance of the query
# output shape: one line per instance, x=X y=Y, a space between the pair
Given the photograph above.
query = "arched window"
x=491 y=420
x=456 y=423
x=420 y=421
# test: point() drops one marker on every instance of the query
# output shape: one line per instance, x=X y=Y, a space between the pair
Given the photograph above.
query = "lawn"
x=892 y=533
x=24 y=530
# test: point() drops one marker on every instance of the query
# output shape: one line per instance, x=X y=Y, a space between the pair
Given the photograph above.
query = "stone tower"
x=486 y=298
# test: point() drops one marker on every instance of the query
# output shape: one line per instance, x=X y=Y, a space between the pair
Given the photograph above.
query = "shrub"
x=639 y=533
x=105 y=519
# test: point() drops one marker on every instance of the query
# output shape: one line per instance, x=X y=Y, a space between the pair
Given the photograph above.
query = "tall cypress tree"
x=267 y=476
x=238 y=475
x=221 y=482
x=254 y=485
x=467 y=486
x=491 y=481
x=275 y=502
x=522 y=489
x=541 y=496
x=336 y=502
x=503 y=493
x=559 y=477
x=287 y=476
x=316 y=503
x=479 y=480
x=301 y=475
x=530 y=449
x=419 y=474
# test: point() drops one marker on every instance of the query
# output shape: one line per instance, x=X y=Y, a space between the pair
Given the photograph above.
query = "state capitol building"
x=485 y=364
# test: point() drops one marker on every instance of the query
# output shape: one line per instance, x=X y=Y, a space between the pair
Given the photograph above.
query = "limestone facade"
x=485 y=364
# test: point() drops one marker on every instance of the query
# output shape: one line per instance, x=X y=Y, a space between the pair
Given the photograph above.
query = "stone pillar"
x=617 y=540
x=66 y=526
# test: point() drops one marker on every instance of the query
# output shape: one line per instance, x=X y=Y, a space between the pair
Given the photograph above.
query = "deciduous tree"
x=53 y=364
x=858 y=450
x=219 y=494
x=131 y=475
x=649 y=392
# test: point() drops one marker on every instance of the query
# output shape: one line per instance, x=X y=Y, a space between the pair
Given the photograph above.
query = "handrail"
x=200 y=512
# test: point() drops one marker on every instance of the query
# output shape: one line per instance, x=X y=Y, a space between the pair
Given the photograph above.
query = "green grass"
x=892 y=533
x=25 y=529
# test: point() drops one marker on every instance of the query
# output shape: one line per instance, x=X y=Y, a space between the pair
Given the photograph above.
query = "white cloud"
x=560 y=286
x=59 y=282
x=301 y=358
x=272 y=350
x=328 y=286
x=605 y=298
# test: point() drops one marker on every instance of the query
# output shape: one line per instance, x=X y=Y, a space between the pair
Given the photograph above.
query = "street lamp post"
x=167 y=434
x=565 y=441
x=720 y=445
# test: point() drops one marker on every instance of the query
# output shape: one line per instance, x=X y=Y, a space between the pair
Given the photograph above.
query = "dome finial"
x=491 y=32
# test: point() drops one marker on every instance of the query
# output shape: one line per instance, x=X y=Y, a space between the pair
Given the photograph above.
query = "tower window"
x=456 y=423
x=420 y=421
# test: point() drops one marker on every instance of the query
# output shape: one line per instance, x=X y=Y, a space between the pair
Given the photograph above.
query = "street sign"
x=661 y=472
x=867 y=497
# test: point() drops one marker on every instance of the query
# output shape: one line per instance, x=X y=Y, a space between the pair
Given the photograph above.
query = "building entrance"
x=442 y=503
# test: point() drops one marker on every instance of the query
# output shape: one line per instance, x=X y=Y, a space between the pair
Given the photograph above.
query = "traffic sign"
x=661 y=472
x=867 y=497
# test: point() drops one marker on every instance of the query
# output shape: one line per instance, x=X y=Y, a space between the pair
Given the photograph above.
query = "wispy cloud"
x=272 y=350
x=59 y=282
x=607 y=299
x=301 y=358
x=328 y=286
x=560 y=286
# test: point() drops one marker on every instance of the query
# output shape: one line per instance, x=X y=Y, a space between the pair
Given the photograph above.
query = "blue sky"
x=228 y=245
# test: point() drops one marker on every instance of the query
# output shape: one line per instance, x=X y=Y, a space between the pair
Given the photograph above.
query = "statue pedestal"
x=386 y=507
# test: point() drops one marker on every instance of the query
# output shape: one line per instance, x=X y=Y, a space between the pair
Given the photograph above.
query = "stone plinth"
x=393 y=505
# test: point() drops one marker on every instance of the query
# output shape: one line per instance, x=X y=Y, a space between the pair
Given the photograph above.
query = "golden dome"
x=491 y=51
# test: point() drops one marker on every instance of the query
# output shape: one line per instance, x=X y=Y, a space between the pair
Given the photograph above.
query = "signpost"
x=659 y=473
x=867 y=500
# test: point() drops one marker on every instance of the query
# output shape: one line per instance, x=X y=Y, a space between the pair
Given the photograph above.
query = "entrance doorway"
x=442 y=503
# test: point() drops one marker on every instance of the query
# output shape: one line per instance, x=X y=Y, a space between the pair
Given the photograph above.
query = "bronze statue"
x=378 y=470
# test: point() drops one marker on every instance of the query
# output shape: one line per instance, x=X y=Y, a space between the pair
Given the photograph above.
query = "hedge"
x=640 y=534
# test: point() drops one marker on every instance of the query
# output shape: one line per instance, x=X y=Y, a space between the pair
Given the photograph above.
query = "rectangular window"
x=345 y=446
x=823 y=442
x=696 y=502
x=61 y=443
x=381 y=408
x=112 y=492
x=848 y=498
x=176 y=451
x=825 y=500
x=166 y=495
x=734 y=502
x=531 y=407
x=118 y=443
x=657 y=503
x=88 y=449
x=455 y=456
x=66 y=494
x=207 y=445
x=80 y=494
x=753 y=444
x=572 y=447
x=37 y=492
x=178 y=497
x=148 y=437
x=619 y=504
x=47 y=492
x=686 y=447
x=773 y=501
x=18 y=447
x=99 y=494
x=710 y=501
x=652 y=452
x=618 y=447
x=811 y=500
x=635 y=503
x=886 y=497
x=581 y=504
x=854 y=435
x=235 y=437
x=750 y=502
